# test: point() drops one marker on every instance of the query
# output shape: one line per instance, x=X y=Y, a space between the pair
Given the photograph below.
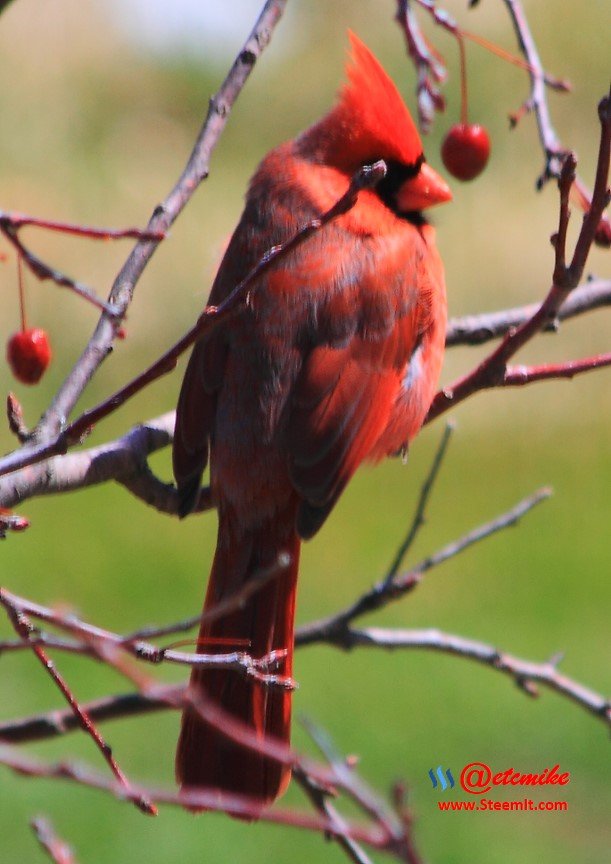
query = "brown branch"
x=365 y=178
x=21 y=220
x=56 y=849
x=333 y=629
x=477 y=329
x=399 y=843
x=492 y=370
x=119 y=460
x=194 y=799
x=318 y=795
x=11 y=223
x=525 y=673
x=517 y=376
x=429 y=68
x=23 y=627
x=537 y=101
x=419 y=517
x=125 y=460
x=53 y=724
x=43 y=271
x=100 y=643
x=163 y=217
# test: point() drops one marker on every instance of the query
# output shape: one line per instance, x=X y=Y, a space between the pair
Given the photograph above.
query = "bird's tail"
x=205 y=756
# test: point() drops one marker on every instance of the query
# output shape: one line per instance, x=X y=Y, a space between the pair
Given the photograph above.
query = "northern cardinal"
x=334 y=360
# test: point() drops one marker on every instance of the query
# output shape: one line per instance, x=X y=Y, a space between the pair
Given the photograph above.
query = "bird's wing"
x=341 y=405
x=195 y=418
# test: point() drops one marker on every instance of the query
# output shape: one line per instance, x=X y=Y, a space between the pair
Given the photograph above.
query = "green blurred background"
x=96 y=125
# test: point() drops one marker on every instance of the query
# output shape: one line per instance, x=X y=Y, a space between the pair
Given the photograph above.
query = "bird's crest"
x=370 y=119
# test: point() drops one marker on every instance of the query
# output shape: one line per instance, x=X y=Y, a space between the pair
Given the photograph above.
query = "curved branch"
x=332 y=629
x=477 y=329
x=163 y=217
x=526 y=673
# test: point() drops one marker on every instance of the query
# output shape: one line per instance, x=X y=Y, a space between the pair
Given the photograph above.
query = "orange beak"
x=424 y=190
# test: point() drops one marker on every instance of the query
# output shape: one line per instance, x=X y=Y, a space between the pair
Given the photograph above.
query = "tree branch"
x=104 y=644
x=333 y=629
x=526 y=673
x=365 y=178
x=193 y=799
x=477 y=329
x=57 y=850
x=492 y=370
x=163 y=217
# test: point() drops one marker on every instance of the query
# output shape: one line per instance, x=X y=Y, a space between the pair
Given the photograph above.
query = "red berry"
x=29 y=354
x=465 y=150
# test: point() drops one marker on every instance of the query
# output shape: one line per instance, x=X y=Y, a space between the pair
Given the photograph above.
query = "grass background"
x=95 y=129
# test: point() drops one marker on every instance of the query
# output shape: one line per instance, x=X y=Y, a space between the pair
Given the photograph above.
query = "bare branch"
x=319 y=797
x=104 y=644
x=537 y=101
x=43 y=271
x=477 y=329
x=163 y=217
x=25 y=630
x=429 y=67
x=119 y=460
x=56 y=849
x=365 y=178
x=194 y=799
x=400 y=843
x=492 y=370
x=419 y=516
x=11 y=223
x=336 y=628
x=517 y=376
x=54 y=724
x=525 y=673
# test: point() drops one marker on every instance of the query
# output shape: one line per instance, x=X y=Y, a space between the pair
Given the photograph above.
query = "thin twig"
x=22 y=220
x=12 y=222
x=163 y=217
x=43 y=271
x=537 y=101
x=336 y=628
x=525 y=673
x=53 y=724
x=365 y=178
x=477 y=329
x=430 y=69
x=566 y=277
x=517 y=376
x=193 y=799
x=319 y=797
x=58 y=850
x=25 y=629
x=400 y=843
x=95 y=639
x=419 y=517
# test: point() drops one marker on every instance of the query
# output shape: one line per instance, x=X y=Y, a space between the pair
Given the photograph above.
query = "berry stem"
x=463 y=78
x=21 y=284
x=550 y=80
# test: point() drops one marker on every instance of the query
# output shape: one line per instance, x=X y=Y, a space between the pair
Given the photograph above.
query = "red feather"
x=334 y=362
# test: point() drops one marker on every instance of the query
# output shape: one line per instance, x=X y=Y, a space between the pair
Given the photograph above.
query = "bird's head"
x=370 y=121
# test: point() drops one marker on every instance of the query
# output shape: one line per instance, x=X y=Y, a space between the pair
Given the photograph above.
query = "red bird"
x=334 y=361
